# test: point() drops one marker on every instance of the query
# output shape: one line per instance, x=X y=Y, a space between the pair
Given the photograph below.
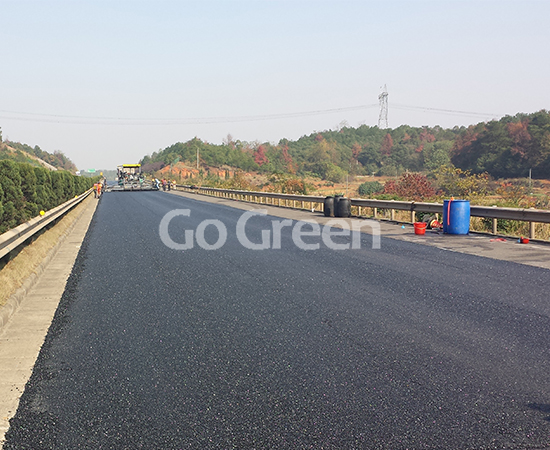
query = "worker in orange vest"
x=97 y=189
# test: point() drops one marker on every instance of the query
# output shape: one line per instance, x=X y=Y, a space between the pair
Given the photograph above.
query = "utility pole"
x=197 y=158
x=383 y=116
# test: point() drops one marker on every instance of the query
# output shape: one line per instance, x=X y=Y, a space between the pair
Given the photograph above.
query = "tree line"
x=508 y=147
x=25 y=190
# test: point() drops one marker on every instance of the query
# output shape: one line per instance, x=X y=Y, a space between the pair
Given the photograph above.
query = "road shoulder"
x=532 y=254
x=30 y=315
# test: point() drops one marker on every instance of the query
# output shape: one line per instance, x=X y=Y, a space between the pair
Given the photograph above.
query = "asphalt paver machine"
x=130 y=178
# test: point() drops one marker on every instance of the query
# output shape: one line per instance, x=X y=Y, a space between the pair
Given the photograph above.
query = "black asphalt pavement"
x=405 y=347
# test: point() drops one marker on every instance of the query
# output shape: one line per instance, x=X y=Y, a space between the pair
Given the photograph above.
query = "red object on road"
x=419 y=228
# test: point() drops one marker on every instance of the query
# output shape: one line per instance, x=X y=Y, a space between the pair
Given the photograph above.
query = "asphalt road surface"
x=405 y=347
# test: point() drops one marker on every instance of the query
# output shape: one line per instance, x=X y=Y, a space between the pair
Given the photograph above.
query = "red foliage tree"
x=425 y=136
x=286 y=157
x=356 y=150
x=465 y=140
x=411 y=186
x=260 y=157
x=387 y=145
x=291 y=167
x=520 y=136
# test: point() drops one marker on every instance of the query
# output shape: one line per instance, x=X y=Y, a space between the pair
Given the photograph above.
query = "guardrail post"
x=375 y=213
x=531 y=229
x=413 y=216
x=495 y=226
x=392 y=214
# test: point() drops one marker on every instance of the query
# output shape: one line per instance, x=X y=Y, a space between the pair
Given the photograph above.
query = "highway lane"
x=408 y=346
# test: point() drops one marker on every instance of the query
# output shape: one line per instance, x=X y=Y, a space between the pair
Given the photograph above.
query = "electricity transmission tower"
x=383 y=117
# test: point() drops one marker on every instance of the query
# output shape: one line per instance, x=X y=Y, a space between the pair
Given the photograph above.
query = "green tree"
x=370 y=187
x=437 y=154
x=334 y=173
x=28 y=188
x=1 y=205
x=14 y=202
x=44 y=192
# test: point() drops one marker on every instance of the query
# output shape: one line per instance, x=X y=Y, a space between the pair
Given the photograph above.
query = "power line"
x=87 y=120
x=444 y=111
x=95 y=120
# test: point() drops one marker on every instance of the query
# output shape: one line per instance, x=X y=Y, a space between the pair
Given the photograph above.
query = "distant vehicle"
x=130 y=178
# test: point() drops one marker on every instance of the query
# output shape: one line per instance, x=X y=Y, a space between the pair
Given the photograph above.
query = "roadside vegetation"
x=508 y=148
x=502 y=162
x=26 y=190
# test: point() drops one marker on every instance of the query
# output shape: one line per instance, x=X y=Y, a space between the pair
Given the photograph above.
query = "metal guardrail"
x=532 y=216
x=13 y=238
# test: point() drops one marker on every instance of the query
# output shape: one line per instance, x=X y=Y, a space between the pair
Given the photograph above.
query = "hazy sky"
x=108 y=82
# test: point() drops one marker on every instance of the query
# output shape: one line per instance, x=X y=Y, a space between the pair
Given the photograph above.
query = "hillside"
x=10 y=153
x=509 y=147
x=16 y=151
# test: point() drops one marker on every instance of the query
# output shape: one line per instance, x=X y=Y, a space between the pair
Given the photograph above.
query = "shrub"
x=462 y=183
x=411 y=186
x=25 y=190
x=335 y=174
x=370 y=187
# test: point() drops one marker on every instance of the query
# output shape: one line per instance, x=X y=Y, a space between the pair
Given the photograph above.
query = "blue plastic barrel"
x=456 y=216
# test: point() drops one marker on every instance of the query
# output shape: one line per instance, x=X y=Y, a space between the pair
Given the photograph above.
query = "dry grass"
x=17 y=270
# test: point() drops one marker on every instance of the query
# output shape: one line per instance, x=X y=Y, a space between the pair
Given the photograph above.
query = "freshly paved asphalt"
x=406 y=347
